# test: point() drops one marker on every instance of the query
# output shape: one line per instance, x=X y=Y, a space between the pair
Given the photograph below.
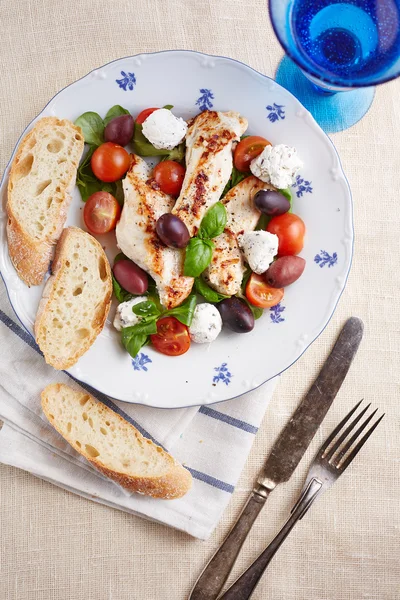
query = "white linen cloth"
x=212 y=441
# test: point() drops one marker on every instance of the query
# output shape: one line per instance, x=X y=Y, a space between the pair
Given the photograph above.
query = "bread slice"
x=42 y=177
x=113 y=445
x=76 y=299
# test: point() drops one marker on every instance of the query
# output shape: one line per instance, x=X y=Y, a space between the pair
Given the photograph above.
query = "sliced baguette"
x=113 y=445
x=76 y=299
x=42 y=177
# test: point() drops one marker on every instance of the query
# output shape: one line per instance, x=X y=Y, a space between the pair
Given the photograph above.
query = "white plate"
x=234 y=363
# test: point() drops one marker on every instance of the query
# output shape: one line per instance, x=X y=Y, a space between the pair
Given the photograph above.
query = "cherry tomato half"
x=172 y=337
x=169 y=175
x=101 y=212
x=110 y=162
x=290 y=230
x=144 y=114
x=260 y=294
x=248 y=149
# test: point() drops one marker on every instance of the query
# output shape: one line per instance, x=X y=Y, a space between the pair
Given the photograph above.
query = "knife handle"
x=216 y=572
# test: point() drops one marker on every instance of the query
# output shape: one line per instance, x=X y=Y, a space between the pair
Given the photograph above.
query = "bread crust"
x=174 y=484
x=49 y=296
x=31 y=257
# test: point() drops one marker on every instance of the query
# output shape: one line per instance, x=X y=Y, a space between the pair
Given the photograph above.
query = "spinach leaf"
x=256 y=310
x=177 y=154
x=115 y=111
x=246 y=277
x=143 y=147
x=120 y=256
x=262 y=223
x=213 y=222
x=118 y=192
x=235 y=178
x=198 y=256
x=208 y=293
x=286 y=192
x=92 y=126
x=133 y=342
x=184 y=313
x=120 y=294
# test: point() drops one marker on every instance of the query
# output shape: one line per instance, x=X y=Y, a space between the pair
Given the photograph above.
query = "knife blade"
x=284 y=457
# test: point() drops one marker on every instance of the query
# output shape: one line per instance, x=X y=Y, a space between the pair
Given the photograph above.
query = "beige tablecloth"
x=56 y=546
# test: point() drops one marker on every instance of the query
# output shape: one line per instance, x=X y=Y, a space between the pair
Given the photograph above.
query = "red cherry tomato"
x=144 y=114
x=260 y=294
x=248 y=149
x=290 y=230
x=101 y=212
x=110 y=162
x=172 y=337
x=169 y=175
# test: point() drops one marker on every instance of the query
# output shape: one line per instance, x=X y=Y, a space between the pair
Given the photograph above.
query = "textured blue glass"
x=338 y=45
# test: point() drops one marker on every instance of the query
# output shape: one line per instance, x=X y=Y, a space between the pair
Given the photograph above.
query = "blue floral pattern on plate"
x=127 y=82
x=275 y=112
x=303 y=186
x=140 y=361
x=324 y=258
x=276 y=313
x=204 y=102
x=223 y=374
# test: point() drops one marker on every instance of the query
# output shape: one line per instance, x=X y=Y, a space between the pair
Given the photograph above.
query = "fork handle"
x=243 y=587
x=212 y=579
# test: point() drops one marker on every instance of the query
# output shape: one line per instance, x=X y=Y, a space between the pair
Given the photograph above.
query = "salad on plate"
x=203 y=218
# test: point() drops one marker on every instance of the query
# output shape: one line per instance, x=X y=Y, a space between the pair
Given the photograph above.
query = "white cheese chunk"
x=277 y=165
x=206 y=324
x=124 y=316
x=163 y=129
x=259 y=249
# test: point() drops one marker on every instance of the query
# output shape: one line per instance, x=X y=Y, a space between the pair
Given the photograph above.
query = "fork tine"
x=337 y=429
x=346 y=432
x=343 y=451
x=360 y=444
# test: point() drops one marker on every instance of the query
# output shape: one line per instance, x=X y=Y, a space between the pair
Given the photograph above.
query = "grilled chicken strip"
x=225 y=273
x=209 y=143
x=137 y=237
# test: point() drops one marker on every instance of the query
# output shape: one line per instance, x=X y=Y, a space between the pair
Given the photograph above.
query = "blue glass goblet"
x=336 y=46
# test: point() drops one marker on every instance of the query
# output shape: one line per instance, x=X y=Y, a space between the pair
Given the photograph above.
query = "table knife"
x=284 y=457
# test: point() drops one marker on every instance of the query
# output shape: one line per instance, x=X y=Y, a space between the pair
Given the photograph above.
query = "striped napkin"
x=213 y=442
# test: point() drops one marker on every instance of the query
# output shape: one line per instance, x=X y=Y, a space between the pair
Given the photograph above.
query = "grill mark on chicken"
x=209 y=164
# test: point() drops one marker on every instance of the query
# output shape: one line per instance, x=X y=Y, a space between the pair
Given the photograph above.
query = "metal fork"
x=331 y=461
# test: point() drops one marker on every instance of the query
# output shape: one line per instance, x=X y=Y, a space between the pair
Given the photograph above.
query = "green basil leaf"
x=184 y=313
x=246 y=277
x=147 y=308
x=120 y=294
x=169 y=106
x=208 y=293
x=198 y=256
x=92 y=126
x=115 y=111
x=213 y=222
x=145 y=328
x=87 y=188
x=133 y=343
